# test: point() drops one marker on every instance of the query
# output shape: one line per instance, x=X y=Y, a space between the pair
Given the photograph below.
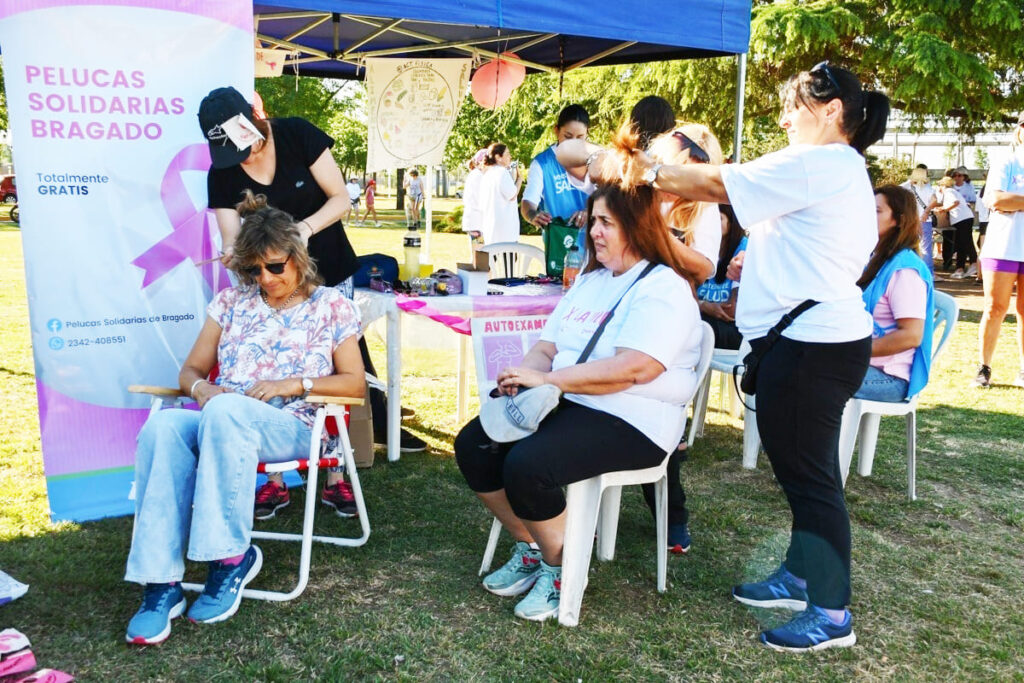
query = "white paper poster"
x=411 y=108
x=111 y=165
x=502 y=342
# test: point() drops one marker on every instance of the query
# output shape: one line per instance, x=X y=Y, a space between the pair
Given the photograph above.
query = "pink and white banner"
x=111 y=165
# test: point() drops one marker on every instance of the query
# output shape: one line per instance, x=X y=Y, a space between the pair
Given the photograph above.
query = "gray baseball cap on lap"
x=509 y=419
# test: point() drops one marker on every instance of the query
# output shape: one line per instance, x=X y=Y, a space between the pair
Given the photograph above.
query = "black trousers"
x=802 y=388
x=378 y=400
x=965 y=242
x=948 y=247
x=573 y=443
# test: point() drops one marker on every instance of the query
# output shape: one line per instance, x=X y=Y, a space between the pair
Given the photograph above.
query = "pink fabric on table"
x=905 y=297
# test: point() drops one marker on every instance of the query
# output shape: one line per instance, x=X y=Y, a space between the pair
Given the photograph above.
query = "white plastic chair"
x=593 y=505
x=328 y=407
x=512 y=259
x=861 y=416
x=723 y=361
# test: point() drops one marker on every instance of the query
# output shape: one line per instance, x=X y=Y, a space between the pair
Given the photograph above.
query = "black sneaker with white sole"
x=984 y=376
x=409 y=443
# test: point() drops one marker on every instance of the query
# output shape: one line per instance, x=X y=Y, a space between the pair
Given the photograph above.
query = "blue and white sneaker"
x=516 y=576
x=778 y=590
x=541 y=603
x=810 y=630
x=161 y=602
x=678 y=539
x=223 y=592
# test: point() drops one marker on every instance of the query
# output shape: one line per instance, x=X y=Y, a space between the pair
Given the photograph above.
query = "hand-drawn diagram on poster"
x=502 y=342
x=411 y=107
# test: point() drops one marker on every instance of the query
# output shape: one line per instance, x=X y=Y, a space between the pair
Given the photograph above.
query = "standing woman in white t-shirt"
x=961 y=220
x=471 y=199
x=810 y=211
x=1002 y=255
x=499 y=189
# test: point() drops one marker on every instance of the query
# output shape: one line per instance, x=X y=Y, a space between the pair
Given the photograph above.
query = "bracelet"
x=308 y=226
x=590 y=159
x=192 y=389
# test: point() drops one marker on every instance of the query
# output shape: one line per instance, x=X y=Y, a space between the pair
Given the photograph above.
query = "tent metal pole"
x=741 y=82
x=601 y=55
x=371 y=35
x=469 y=42
x=308 y=27
x=428 y=208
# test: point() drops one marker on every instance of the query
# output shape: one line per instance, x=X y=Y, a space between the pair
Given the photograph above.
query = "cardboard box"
x=360 y=433
x=475 y=275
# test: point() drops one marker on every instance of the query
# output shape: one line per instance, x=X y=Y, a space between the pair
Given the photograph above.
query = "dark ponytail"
x=865 y=112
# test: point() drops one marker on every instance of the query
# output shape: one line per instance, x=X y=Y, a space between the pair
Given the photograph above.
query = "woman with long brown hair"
x=898 y=291
x=623 y=407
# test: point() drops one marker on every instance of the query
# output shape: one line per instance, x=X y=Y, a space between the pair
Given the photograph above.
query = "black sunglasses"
x=697 y=152
x=822 y=68
x=272 y=268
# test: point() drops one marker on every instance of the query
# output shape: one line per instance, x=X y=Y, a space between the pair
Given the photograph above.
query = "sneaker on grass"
x=541 y=603
x=984 y=377
x=778 y=590
x=1019 y=382
x=408 y=443
x=678 y=539
x=340 y=497
x=224 y=584
x=161 y=602
x=516 y=576
x=270 y=498
x=810 y=630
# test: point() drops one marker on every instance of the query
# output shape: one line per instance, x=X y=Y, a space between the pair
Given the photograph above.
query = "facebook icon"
x=54 y=325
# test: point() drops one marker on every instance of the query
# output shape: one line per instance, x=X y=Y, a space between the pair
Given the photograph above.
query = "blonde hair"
x=665 y=149
x=946 y=181
x=265 y=228
x=919 y=177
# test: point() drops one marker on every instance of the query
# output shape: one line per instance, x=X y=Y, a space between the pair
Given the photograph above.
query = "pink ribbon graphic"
x=191 y=237
x=482 y=307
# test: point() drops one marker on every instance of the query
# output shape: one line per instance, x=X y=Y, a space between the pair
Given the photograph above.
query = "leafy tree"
x=3 y=99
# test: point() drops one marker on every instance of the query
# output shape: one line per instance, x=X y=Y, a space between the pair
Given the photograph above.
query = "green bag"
x=558 y=237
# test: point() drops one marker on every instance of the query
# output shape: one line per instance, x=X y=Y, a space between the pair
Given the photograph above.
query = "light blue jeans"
x=878 y=386
x=195 y=481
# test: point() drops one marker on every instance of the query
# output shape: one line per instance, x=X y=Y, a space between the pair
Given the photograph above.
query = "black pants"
x=948 y=247
x=965 y=242
x=677 y=512
x=802 y=388
x=727 y=335
x=572 y=444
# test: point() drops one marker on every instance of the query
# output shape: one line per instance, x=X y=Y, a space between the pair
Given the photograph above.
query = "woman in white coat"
x=499 y=189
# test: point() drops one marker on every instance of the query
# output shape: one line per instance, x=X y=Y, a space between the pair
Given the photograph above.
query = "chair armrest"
x=155 y=391
x=334 y=400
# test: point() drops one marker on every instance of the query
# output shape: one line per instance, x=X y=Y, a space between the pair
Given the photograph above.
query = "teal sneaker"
x=161 y=602
x=516 y=576
x=778 y=590
x=810 y=630
x=541 y=603
x=224 y=584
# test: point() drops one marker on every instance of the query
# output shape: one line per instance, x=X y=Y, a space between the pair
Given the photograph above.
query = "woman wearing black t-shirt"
x=289 y=162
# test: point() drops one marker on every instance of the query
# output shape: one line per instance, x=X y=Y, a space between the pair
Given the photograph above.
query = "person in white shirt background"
x=810 y=211
x=499 y=190
x=961 y=220
x=354 y=193
x=471 y=199
x=1002 y=255
x=924 y=196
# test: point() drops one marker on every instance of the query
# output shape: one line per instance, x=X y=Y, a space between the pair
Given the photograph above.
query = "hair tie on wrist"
x=192 y=389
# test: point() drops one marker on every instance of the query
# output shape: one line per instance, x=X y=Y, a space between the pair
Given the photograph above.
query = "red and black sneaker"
x=339 y=496
x=270 y=498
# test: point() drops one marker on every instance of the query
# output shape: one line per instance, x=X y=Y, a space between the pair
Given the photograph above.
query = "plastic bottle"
x=411 y=267
x=571 y=266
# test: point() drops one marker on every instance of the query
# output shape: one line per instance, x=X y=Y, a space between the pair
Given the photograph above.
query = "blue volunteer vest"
x=559 y=197
x=907 y=258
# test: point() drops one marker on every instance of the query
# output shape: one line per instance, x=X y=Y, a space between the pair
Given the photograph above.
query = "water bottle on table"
x=571 y=266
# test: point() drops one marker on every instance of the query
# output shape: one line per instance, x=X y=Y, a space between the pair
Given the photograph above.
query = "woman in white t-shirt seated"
x=718 y=294
x=624 y=408
x=810 y=213
x=961 y=221
x=696 y=224
x=898 y=292
x=274 y=339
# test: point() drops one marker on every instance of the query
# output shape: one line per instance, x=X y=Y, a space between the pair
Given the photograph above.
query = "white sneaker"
x=957 y=274
x=972 y=271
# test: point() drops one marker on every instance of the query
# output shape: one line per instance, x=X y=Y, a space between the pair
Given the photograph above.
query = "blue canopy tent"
x=332 y=37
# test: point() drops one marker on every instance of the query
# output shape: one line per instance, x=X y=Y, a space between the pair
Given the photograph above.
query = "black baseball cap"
x=219 y=106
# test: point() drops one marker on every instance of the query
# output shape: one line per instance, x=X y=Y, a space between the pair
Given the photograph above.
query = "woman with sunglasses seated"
x=623 y=408
x=810 y=213
x=274 y=338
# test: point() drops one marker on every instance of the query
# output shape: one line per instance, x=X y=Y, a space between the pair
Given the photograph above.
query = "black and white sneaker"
x=984 y=377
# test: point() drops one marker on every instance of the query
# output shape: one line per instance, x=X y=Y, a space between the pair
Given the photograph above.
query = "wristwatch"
x=651 y=174
x=307 y=386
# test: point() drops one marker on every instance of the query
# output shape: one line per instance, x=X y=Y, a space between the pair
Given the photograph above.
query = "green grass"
x=936 y=582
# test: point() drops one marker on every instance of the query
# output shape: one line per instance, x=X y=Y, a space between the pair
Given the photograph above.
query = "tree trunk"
x=399 y=189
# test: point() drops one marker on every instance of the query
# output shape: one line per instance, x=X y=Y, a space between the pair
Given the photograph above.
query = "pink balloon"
x=494 y=82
